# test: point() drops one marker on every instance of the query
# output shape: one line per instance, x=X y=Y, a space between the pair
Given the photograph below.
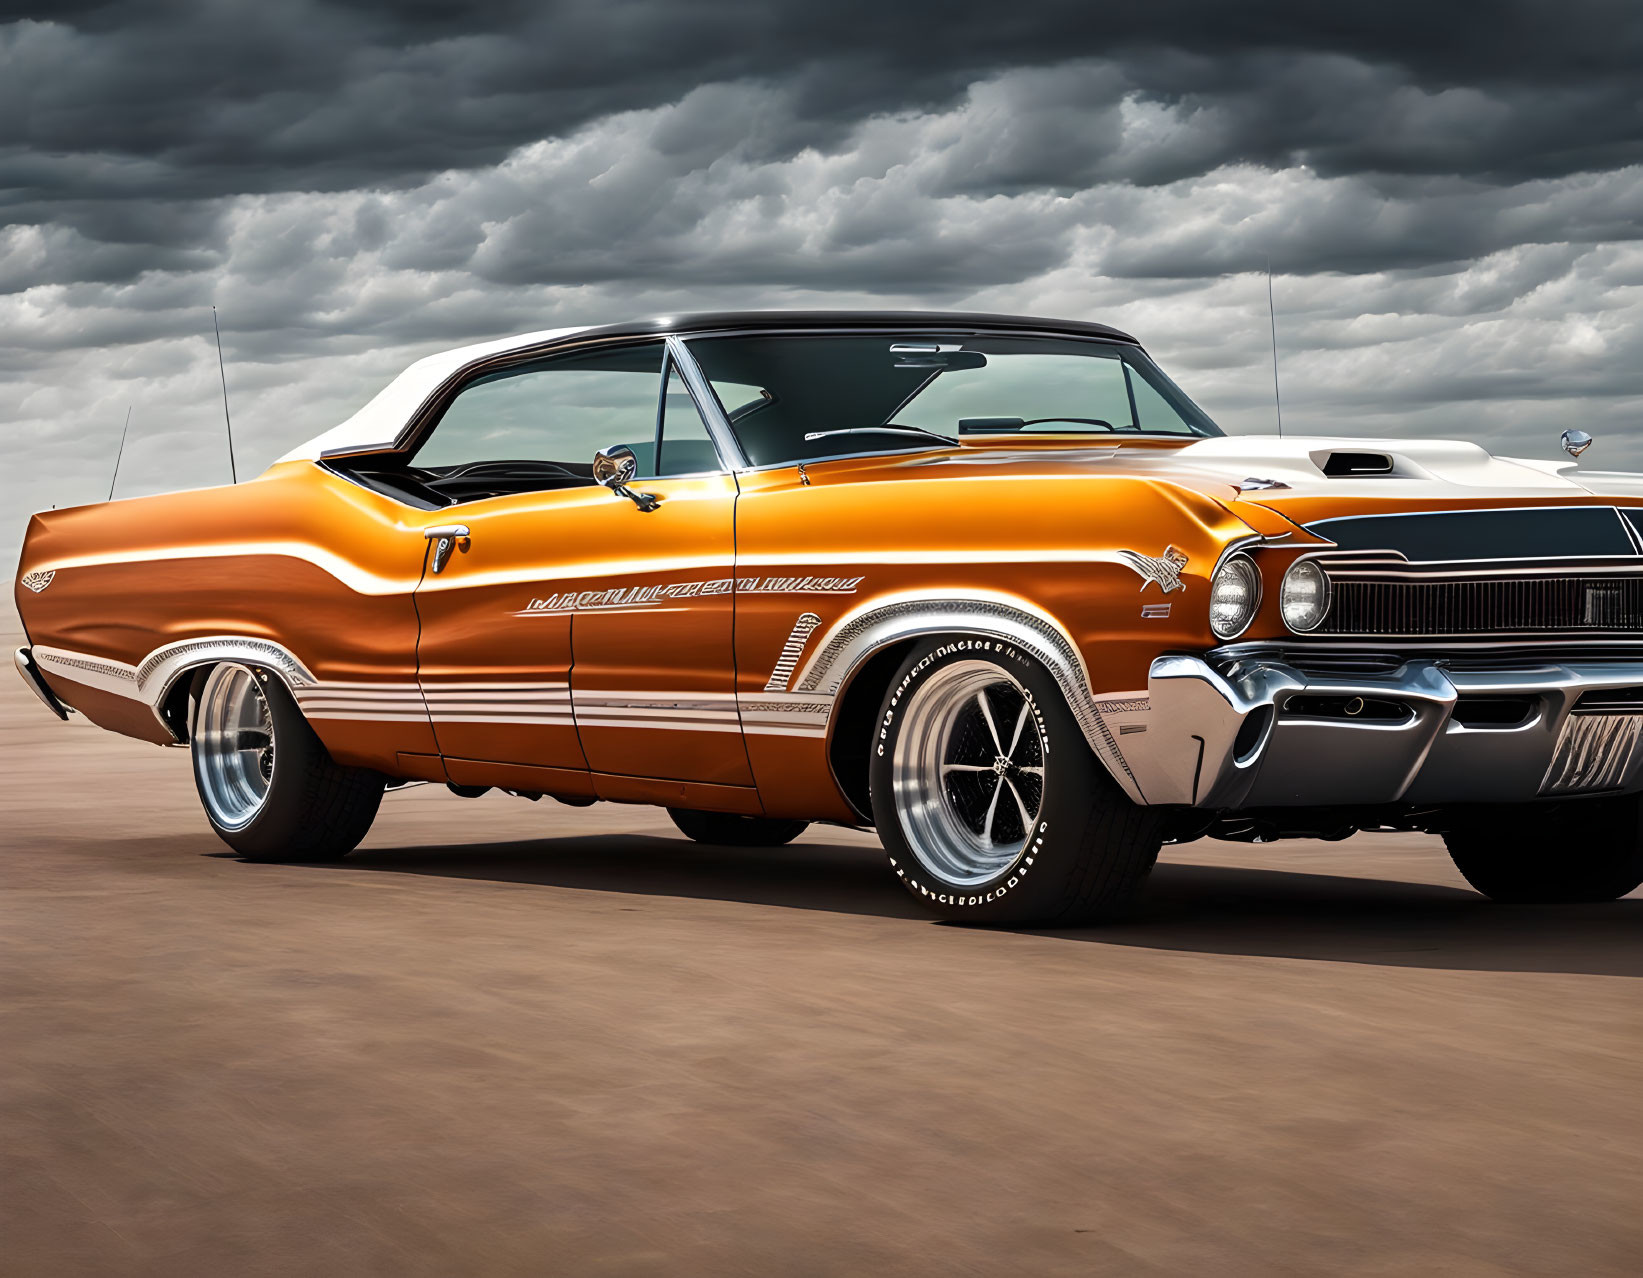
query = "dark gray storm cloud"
x=1450 y=195
x=214 y=97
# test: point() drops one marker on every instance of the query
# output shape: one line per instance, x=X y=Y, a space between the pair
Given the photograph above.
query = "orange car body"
x=726 y=651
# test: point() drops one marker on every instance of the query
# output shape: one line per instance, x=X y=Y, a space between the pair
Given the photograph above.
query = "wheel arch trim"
x=856 y=636
x=163 y=669
x=155 y=679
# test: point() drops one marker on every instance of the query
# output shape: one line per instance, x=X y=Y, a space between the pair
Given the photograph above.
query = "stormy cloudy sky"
x=1450 y=195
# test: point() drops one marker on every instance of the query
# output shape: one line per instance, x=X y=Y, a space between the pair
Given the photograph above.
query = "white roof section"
x=378 y=424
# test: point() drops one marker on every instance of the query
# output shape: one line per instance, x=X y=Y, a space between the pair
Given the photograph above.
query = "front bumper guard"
x=1259 y=733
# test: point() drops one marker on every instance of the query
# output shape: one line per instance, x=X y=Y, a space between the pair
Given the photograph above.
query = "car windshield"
x=800 y=397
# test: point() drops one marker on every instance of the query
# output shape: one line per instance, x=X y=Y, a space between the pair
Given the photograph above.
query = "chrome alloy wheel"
x=233 y=746
x=968 y=773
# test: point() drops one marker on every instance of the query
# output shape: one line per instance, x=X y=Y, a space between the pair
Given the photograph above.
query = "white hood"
x=1418 y=468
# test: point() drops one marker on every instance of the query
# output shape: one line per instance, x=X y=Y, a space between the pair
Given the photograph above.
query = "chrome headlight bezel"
x=1240 y=567
x=1325 y=591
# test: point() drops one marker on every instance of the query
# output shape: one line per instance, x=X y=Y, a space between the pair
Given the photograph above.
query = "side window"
x=538 y=425
x=683 y=446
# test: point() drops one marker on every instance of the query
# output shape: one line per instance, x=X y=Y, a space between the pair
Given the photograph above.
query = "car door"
x=568 y=629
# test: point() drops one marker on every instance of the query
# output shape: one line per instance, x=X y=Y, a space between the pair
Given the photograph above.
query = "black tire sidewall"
x=283 y=828
x=1585 y=851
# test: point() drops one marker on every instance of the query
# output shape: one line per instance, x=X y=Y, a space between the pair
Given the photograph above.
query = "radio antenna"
x=1272 y=317
x=222 y=373
x=120 y=452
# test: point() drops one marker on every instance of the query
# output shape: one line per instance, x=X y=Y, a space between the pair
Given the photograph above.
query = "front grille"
x=1555 y=605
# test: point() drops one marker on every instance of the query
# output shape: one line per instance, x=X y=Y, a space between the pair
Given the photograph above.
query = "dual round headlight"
x=1235 y=594
x=1304 y=597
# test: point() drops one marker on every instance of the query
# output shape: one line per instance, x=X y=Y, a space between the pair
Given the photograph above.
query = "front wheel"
x=269 y=787
x=988 y=799
x=1585 y=851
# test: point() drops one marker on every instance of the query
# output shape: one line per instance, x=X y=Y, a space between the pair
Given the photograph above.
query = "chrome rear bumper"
x=1259 y=733
x=24 y=660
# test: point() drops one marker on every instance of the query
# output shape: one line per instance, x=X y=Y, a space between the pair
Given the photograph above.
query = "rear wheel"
x=269 y=787
x=730 y=830
x=988 y=799
x=1567 y=852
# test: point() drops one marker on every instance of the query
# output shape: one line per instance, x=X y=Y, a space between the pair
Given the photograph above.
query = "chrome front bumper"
x=23 y=659
x=1259 y=733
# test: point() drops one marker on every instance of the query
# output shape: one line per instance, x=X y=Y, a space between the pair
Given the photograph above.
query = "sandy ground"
x=508 y=1038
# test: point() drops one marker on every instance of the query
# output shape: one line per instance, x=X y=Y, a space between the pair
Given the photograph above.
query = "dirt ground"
x=507 y=1038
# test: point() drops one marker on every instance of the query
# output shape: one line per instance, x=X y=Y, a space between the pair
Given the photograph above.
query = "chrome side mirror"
x=1576 y=442
x=615 y=467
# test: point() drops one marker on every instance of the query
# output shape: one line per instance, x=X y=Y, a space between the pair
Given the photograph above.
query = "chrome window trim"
x=719 y=430
x=731 y=456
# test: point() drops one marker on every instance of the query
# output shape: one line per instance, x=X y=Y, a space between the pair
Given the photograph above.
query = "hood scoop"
x=1354 y=465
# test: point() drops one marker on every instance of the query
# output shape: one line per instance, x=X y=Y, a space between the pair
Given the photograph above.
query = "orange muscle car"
x=992 y=585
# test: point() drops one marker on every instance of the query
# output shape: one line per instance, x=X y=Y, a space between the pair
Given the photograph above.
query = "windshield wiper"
x=880 y=430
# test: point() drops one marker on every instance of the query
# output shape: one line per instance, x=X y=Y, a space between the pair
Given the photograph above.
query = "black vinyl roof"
x=713 y=321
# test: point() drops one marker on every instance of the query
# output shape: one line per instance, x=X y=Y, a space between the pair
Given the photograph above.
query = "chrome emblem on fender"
x=1165 y=570
x=38 y=581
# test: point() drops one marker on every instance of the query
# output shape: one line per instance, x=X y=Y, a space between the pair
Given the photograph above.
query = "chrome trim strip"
x=101 y=673
x=1424 y=644
x=152 y=681
x=859 y=634
x=1554 y=503
x=160 y=670
x=719 y=430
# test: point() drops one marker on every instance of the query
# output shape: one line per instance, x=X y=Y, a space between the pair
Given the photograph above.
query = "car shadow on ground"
x=1192 y=908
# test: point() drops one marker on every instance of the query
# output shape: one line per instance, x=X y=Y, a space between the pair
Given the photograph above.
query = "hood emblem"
x=38 y=581
x=1165 y=570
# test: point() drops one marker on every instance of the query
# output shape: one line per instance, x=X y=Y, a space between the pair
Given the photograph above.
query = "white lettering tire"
x=989 y=801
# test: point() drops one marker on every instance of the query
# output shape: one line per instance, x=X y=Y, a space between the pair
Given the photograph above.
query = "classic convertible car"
x=994 y=586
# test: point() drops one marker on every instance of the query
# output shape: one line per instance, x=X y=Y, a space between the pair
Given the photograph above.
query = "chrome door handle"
x=445 y=538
